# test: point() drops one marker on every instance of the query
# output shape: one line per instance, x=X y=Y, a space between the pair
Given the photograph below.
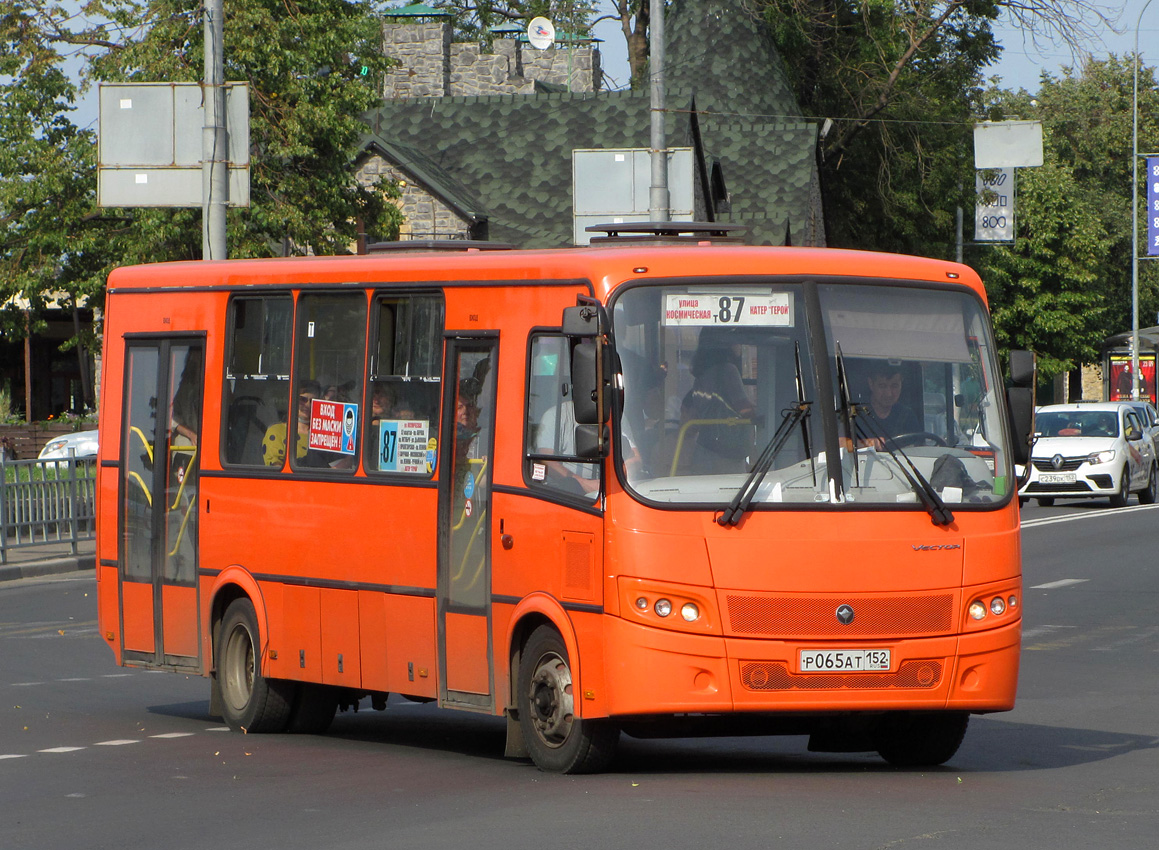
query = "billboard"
x=1119 y=377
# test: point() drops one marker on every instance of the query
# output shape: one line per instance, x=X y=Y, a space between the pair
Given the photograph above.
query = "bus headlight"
x=997 y=606
x=977 y=610
x=690 y=612
x=663 y=607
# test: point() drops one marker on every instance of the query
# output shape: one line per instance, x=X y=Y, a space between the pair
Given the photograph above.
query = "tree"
x=899 y=83
x=312 y=71
x=1065 y=284
x=53 y=243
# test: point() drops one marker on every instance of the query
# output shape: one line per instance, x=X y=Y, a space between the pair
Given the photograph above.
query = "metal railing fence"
x=46 y=501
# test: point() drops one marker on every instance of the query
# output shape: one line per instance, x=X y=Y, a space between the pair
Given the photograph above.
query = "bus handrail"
x=732 y=421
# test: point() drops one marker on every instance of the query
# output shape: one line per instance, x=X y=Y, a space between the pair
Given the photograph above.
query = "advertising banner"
x=1153 y=206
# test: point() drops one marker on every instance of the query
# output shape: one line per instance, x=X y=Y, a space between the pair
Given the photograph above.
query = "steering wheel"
x=919 y=437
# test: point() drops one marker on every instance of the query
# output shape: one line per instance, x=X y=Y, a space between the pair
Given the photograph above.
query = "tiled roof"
x=515 y=151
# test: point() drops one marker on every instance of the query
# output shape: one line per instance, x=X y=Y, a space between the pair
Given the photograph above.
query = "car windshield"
x=1077 y=423
x=734 y=393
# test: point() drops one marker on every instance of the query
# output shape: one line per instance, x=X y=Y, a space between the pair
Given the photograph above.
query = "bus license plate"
x=825 y=660
x=1057 y=477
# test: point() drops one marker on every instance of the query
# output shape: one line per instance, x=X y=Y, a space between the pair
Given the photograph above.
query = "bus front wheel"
x=922 y=740
x=557 y=740
x=249 y=701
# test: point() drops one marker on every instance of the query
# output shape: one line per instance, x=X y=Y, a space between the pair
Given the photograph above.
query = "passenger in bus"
x=717 y=412
x=274 y=442
x=555 y=434
x=889 y=414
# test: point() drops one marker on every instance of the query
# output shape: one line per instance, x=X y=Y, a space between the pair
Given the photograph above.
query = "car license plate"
x=1057 y=477
x=825 y=660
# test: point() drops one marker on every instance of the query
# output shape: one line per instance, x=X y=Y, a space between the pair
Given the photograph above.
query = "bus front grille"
x=776 y=676
x=874 y=616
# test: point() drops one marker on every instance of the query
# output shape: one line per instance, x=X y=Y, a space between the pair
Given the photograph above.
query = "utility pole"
x=214 y=139
x=658 y=194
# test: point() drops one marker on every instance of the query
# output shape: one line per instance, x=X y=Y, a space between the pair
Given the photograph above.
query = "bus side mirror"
x=1022 y=368
x=581 y=321
x=592 y=403
x=591 y=440
x=1020 y=404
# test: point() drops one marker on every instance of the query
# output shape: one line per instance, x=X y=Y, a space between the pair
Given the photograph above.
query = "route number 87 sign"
x=1152 y=205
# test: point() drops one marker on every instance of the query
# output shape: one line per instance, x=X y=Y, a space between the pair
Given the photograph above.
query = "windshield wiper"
x=799 y=413
x=939 y=512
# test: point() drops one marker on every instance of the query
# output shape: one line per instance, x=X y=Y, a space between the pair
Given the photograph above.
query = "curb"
x=48 y=567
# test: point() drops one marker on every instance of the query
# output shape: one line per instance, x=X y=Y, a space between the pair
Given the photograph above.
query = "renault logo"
x=845 y=615
x=1056 y=461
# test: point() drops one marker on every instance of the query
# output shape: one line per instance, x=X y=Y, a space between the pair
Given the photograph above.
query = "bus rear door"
x=158 y=494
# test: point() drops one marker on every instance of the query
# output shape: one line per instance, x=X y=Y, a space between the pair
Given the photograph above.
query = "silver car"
x=83 y=443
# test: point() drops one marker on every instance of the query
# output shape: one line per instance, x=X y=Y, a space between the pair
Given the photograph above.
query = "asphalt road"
x=95 y=756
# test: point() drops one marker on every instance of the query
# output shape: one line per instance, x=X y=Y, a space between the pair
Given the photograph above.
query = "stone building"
x=481 y=142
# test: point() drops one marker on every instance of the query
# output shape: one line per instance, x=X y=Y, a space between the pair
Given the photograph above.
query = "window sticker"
x=731 y=308
x=403 y=446
x=333 y=425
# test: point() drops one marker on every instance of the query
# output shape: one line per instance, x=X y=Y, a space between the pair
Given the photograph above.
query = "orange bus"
x=655 y=487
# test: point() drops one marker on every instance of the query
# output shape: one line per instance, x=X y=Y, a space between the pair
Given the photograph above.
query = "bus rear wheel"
x=922 y=740
x=249 y=701
x=557 y=740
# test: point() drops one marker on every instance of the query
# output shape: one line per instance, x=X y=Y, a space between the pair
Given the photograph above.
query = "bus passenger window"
x=257 y=380
x=404 y=384
x=550 y=424
x=331 y=340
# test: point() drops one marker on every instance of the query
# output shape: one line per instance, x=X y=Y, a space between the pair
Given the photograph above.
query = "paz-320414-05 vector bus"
x=633 y=488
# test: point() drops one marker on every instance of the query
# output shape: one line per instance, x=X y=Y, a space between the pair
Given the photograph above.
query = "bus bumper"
x=655 y=671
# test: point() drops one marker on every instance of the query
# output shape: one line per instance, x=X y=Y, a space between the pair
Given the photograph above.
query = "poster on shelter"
x=1120 y=377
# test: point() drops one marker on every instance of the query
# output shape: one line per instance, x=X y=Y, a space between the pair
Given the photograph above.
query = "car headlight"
x=1101 y=457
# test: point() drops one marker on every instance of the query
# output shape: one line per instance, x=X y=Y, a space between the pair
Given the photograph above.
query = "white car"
x=83 y=442
x=1091 y=450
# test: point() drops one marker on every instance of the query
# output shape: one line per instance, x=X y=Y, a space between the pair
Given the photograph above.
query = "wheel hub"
x=552 y=705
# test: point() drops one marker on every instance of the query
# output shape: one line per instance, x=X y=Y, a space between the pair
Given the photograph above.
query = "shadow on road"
x=992 y=744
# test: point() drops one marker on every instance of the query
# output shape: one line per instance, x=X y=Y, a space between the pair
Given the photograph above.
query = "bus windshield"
x=731 y=386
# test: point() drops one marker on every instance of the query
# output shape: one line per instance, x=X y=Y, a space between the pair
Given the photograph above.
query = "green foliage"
x=1065 y=285
x=898 y=82
x=312 y=69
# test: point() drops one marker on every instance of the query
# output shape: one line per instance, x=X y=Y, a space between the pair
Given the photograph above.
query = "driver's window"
x=550 y=423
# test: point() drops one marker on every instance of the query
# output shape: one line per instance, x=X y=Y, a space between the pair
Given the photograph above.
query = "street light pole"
x=1135 y=217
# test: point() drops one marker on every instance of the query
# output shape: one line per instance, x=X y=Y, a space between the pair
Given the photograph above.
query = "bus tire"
x=922 y=740
x=314 y=709
x=557 y=740
x=249 y=701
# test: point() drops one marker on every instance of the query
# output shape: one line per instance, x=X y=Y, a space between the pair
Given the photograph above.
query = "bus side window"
x=330 y=351
x=257 y=379
x=403 y=386
x=550 y=423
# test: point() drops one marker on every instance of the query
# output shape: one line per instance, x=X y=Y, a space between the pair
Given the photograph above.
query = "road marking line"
x=1034 y=523
x=115 y=675
x=1052 y=585
x=217 y=729
x=78 y=679
x=13 y=756
x=61 y=750
x=1038 y=631
x=174 y=735
x=118 y=743
x=25 y=684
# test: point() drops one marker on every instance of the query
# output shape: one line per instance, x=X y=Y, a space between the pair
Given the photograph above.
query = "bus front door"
x=464 y=570
x=161 y=427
